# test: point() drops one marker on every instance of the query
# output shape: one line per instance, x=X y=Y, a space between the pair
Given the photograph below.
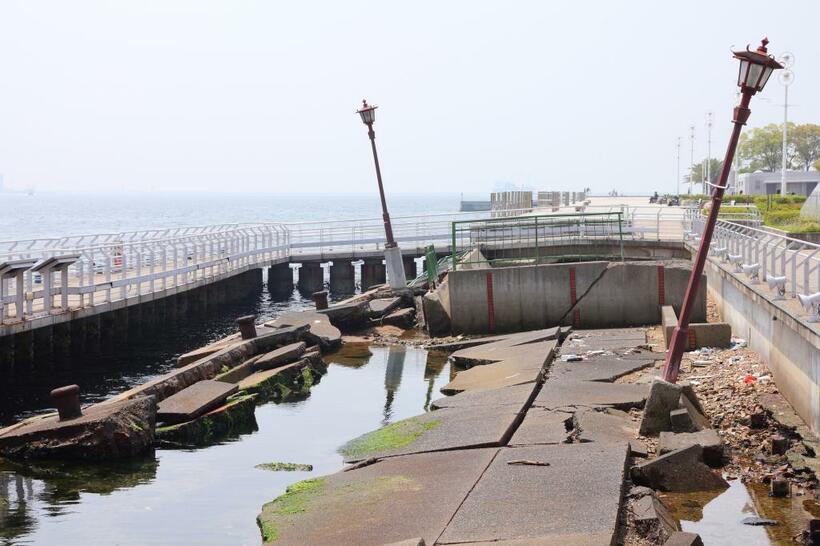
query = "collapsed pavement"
x=535 y=447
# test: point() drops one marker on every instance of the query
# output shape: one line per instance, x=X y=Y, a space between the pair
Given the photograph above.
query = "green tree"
x=806 y=141
x=761 y=149
x=696 y=171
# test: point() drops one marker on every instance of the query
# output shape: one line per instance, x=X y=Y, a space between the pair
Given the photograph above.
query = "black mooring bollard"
x=320 y=299
x=67 y=400
x=247 y=326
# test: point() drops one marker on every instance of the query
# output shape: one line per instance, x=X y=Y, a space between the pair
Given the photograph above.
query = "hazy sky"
x=260 y=96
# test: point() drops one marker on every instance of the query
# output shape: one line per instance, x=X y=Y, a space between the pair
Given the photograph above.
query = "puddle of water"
x=716 y=515
x=212 y=495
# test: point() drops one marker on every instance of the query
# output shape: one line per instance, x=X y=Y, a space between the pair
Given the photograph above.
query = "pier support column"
x=373 y=273
x=280 y=280
x=6 y=352
x=342 y=277
x=409 y=267
x=311 y=277
x=77 y=330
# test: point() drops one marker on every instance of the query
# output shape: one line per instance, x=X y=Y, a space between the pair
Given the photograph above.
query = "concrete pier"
x=311 y=277
x=373 y=272
x=409 y=267
x=342 y=277
x=280 y=279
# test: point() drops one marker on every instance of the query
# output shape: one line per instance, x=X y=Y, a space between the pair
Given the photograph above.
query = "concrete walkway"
x=537 y=462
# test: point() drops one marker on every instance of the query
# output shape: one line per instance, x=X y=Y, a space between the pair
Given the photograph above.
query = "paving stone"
x=541 y=427
x=381 y=306
x=396 y=498
x=680 y=470
x=193 y=401
x=536 y=353
x=574 y=499
x=516 y=397
x=562 y=394
x=437 y=431
x=708 y=439
x=280 y=356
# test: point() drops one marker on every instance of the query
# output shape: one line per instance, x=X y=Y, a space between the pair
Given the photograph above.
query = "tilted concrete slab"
x=496 y=352
x=253 y=382
x=280 y=356
x=592 y=340
x=562 y=394
x=438 y=430
x=193 y=401
x=396 y=498
x=607 y=426
x=320 y=330
x=494 y=376
x=381 y=306
x=516 y=398
x=542 y=427
x=605 y=369
x=578 y=495
x=517 y=338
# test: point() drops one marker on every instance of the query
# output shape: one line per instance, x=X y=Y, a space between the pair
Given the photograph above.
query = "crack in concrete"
x=582 y=296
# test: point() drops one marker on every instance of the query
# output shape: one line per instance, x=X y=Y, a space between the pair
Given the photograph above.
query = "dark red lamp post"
x=755 y=69
x=368 y=113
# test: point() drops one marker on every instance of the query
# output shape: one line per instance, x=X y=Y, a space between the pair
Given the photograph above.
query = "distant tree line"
x=761 y=149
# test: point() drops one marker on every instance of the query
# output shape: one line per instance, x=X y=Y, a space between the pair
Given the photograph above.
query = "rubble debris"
x=708 y=439
x=680 y=470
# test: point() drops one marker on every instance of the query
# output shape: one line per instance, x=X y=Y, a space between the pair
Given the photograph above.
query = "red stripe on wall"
x=573 y=298
x=692 y=339
x=490 y=302
x=661 y=286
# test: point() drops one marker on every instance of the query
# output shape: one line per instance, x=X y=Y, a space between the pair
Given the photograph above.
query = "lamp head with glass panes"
x=755 y=68
x=368 y=113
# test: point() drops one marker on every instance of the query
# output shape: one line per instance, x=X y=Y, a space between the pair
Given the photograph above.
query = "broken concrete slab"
x=202 y=352
x=606 y=369
x=382 y=306
x=402 y=318
x=536 y=352
x=577 y=495
x=708 y=439
x=234 y=417
x=699 y=421
x=528 y=336
x=516 y=397
x=542 y=427
x=208 y=367
x=652 y=517
x=680 y=470
x=563 y=394
x=238 y=373
x=494 y=376
x=347 y=317
x=193 y=401
x=320 y=329
x=434 y=431
x=605 y=427
x=280 y=356
x=360 y=506
x=104 y=431
x=663 y=399
x=265 y=381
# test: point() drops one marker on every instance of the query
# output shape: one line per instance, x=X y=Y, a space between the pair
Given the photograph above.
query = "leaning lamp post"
x=755 y=69
x=392 y=252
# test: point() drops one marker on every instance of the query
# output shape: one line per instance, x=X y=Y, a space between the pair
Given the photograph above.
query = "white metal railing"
x=775 y=254
x=118 y=266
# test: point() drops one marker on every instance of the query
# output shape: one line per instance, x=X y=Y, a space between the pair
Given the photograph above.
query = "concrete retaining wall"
x=789 y=346
x=584 y=294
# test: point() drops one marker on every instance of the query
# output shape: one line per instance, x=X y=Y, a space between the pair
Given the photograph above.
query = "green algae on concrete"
x=233 y=418
x=287 y=467
x=393 y=436
x=296 y=499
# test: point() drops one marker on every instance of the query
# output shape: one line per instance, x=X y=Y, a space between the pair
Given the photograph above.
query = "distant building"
x=797 y=182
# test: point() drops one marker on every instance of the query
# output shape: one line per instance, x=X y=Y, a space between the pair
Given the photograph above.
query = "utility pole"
x=677 y=172
x=708 y=150
x=786 y=78
x=691 y=155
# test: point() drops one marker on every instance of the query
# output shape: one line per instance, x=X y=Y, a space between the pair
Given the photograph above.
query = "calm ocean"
x=60 y=214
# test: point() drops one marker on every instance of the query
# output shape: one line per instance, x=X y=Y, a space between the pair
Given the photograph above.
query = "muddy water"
x=212 y=495
x=716 y=516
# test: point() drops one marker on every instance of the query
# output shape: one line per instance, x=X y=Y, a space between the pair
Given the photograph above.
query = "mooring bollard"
x=67 y=400
x=320 y=299
x=813 y=533
x=779 y=487
x=247 y=326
